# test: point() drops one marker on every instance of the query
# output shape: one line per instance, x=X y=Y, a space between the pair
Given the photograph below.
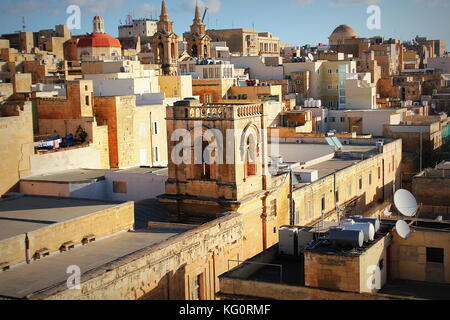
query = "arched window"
x=173 y=51
x=194 y=50
x=251 y=153
x=205 y=51
x=160 y=53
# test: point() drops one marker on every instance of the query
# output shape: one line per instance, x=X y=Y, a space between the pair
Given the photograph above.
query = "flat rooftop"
x=70 y=176
x=417 y=289
x=91 y=175
x=22 y=214
x=329 y=167
x=24 y=280
x=145 y=170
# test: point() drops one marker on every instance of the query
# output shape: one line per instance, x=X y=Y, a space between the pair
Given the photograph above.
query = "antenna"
x=204 y=15
x=24 y=27
x=405 y=203
x=403 y=229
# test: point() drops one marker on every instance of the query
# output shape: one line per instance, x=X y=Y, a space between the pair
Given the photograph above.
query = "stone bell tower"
x=165 y=43
x=217 y=158
x=198 y=42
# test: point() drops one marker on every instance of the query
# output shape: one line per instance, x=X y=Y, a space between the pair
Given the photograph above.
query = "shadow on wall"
x=171 y=285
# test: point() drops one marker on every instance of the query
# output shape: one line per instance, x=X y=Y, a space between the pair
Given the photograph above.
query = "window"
x=156 y=154
x=330 y=71
x=155 y=128
x=120 y=187
x=342 y=119
x=309 y=210
x=323 y=203
x=273 y=207
x=360 y=183
x=435 y=255
x=381 y=264
x=370 y=178
x=330 y=87
x=87 y=100
x=379 y=173
x=337 y=195
x=207 y=98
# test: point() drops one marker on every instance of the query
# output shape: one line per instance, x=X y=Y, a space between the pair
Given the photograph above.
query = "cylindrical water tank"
x=374 y=221
x=367 y=228
x=347 y=238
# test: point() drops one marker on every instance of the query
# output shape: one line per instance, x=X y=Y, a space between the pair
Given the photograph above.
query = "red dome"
x=99 y=40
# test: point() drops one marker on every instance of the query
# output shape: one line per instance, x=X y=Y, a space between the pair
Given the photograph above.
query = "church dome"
x=99 y=40
x=341 y=33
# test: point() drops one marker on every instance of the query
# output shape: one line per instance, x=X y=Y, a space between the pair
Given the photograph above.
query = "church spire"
x=197 y=13
x=164 y=15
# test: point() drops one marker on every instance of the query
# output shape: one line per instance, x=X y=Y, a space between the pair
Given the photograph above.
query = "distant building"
x=247 y=42
x=198 y=42
x=98 y=45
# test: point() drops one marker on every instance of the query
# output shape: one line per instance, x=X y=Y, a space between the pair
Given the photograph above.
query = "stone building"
x=340 y=34
x=165 y=43
x=98 y=45
x=198 y=42
x=247 y=42
x=16 y=130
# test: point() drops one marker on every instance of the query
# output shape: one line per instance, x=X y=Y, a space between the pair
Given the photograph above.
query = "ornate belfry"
x=165 y=43
x=198 y=42
x=233 y=135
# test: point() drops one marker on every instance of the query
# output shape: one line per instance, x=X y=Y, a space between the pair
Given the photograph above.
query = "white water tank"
x=367 y=228
x=374 y=221
x=346 y=238
x=287 y=236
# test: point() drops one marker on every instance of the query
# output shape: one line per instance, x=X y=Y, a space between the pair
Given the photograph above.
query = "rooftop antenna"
x=129 y=20
x=406 y=204
x=204 y=14
x=24 y=27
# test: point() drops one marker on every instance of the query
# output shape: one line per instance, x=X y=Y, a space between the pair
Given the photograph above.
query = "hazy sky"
x=296 y=22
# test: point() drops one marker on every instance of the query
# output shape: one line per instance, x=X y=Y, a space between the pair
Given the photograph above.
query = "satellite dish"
x=311 y=57
x=405 y=203
x=387 y=213
x=402 y=229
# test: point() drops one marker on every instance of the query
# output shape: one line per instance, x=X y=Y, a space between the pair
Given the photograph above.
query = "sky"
x=296 y=22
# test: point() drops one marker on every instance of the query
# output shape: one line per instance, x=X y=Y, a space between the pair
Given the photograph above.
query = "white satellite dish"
x=405 y=203
x=311 y=57
x=403 y=229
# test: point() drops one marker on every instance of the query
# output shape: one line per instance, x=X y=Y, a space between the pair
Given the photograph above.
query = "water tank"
x=288 y=236
x=346 y=238
x=374 y=221
x=367 y=228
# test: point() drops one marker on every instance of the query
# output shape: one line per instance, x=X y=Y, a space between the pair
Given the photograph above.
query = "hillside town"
x=222 y=164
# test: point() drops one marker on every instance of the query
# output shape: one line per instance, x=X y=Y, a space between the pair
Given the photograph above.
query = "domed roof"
x=98 y=18
x=344 y=31
x=99 y=40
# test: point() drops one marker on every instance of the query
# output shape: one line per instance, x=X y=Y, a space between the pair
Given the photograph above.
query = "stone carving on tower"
x=165 y=43
x=198 y=42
